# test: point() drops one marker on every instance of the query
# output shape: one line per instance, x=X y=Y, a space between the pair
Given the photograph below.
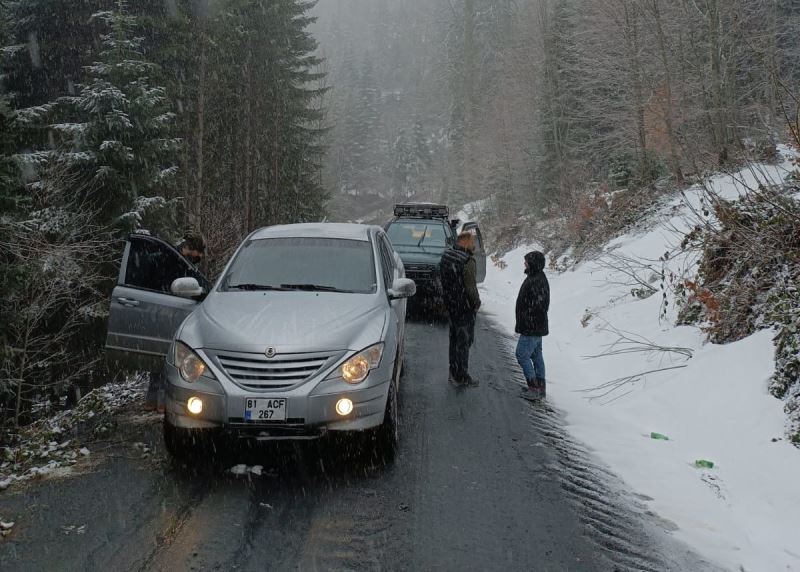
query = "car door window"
x=387 y=264
x=389 y=253
x=154 y=265
x=480 y=239
x=475 y=229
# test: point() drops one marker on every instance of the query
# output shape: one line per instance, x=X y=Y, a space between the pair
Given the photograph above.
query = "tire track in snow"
x=627 y=534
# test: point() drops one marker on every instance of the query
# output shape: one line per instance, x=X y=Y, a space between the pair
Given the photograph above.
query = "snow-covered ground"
x=53 y=445
x=745 y=512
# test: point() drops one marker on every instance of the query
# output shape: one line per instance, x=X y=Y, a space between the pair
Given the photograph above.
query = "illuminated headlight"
x=195 y=405
x=344 y=407
x=189 y=363
x=357 y=368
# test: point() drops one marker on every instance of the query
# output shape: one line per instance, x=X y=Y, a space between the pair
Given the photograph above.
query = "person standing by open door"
x=192 y=247
x=533 y=303
x=457 y=270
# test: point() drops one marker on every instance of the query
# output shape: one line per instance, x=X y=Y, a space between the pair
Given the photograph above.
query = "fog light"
x=195 y=405
x=344 y=407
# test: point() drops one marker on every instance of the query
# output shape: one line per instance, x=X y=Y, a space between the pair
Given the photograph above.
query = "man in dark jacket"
x=533 y=303
x=458 y=270
x=192 y=247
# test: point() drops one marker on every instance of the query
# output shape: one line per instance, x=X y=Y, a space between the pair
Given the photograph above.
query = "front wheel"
x=386 y=437
x=188 y=444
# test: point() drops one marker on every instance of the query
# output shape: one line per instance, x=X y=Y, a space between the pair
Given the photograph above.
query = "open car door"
x=144 y=312
x=480 y=249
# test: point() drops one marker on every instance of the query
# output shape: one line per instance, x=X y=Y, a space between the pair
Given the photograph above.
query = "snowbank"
x=714 y=405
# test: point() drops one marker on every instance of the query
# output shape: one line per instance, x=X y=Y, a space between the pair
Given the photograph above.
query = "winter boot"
x=469 y=381
x=541 y=387
x=530 y=391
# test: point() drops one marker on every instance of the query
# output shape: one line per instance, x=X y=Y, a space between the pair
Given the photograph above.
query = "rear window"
x=417 y=233
x=340 y=264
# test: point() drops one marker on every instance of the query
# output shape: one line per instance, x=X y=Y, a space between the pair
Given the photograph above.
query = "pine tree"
x=421 y=150
x=122 y=142
x=55 y=41
x=291 y=190
x=9 y=173
x=10 y=195
x=366 y=145
x=403 y=166
x=559 y=102
x=11 y=202
x=500 y=186
x=263 y=135
x=347 y=150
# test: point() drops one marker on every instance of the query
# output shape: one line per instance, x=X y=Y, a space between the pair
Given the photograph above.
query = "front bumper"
x=427 y=281
x=311 y=408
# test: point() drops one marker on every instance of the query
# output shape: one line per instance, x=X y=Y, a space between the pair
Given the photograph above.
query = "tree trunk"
x=469 y=73
x=631 y=13
x=248 y=120
x=669 y=108
x=719 y=114
x=200 y=135
x=21 y=376
x=773 y=73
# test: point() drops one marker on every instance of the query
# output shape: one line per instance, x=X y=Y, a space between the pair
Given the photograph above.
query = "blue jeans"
x=530 y=357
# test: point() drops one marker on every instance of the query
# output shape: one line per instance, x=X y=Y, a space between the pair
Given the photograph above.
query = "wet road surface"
x=483 y=481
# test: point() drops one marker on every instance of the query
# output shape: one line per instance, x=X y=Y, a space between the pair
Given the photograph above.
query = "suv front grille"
x=258 y=372
x=420 y=271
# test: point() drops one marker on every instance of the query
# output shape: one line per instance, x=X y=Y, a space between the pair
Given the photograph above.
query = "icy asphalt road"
x=483 y=481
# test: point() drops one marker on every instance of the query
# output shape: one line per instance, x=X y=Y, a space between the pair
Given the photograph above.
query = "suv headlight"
x=189 y=363
x=357 y=368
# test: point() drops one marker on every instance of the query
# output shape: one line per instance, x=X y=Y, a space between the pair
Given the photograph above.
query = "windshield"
x=321 y=264
x=418 y=234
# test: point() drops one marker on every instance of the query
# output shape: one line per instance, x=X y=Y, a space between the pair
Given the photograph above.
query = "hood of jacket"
x=457 y=254
x=535 y=262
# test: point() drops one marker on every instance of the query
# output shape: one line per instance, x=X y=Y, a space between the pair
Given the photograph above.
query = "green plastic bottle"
x=703 y=464
x=658 y=436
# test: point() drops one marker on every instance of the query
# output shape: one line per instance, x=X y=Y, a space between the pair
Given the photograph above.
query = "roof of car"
x=316 y=230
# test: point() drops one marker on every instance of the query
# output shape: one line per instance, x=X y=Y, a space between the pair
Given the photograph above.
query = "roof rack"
x=422 y=210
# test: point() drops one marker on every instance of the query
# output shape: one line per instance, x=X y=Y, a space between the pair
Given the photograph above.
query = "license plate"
x=265 y=409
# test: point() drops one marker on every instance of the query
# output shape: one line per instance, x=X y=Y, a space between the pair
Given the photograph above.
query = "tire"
x=174 y=440
x=386 y=437
x=186 y=444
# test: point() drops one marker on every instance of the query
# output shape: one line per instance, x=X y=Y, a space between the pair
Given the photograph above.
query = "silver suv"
x=301 y=335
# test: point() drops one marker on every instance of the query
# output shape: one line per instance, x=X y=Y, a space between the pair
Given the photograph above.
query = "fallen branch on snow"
x=610 y=387
x=629 y=342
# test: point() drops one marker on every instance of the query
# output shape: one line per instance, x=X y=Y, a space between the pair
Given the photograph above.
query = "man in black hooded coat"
x=533 y=303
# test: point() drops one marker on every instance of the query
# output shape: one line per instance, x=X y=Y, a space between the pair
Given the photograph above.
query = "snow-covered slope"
x=714 y=405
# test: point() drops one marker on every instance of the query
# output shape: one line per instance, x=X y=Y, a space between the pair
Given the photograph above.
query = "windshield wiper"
x=254 y=287
x=424 y=234
x=314 y=288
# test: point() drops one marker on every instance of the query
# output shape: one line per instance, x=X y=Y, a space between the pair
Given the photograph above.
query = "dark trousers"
x=462 y=335
x=154 y=398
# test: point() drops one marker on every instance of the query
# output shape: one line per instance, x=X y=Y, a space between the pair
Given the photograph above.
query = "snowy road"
x=483 y=481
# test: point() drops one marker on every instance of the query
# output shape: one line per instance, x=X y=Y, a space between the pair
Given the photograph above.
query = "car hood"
x=420 y=256
x=291 y=322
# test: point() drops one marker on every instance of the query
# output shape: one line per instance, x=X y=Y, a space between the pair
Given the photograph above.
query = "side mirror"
x=186 y=288
x=454 y=223
x=402 y=288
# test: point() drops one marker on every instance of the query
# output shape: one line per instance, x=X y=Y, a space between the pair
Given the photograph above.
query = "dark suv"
x=420 y=233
